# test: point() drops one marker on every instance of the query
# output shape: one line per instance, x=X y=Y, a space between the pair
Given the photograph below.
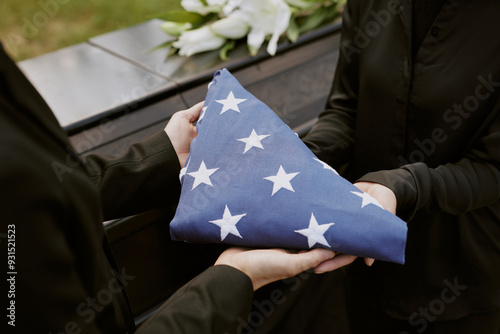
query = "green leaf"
x=175 y=28
x=313 y=20
x=299 y=3
x=181 y=16
x=171 y=52
x=226 y=48
x=321 y=15
x=162 y=46
x=293 y=31
x=334 y=11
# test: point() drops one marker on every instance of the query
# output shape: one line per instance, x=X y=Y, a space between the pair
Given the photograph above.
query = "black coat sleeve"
x=217 y=301
x=146 y=176
x=470 y=183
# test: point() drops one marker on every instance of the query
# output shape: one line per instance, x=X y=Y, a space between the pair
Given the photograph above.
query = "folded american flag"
x=250 y=181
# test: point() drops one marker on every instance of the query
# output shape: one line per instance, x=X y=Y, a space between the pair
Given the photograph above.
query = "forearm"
x=451 y=188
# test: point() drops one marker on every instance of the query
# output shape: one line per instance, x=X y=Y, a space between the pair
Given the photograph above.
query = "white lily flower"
x=195 y=6
x=230 y=27
x=230 y=6
x=198 y=40
x=265 y=17
x=198 y=6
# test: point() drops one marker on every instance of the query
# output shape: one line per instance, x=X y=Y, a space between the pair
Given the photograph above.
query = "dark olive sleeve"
x=216 y=301
x=331 y=138
x=470 y=183
x=146 y=176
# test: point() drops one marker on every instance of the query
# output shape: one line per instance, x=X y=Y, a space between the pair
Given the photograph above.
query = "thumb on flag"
x=181 y=131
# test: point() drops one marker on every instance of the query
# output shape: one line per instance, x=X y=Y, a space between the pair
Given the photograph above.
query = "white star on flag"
x=230 y=103
x=315 y=233
x=228 y=224
x=253 y=141
x=203 y=110
x=367 y=199
x=202 y=175
x=326 y=166
x=281 y=180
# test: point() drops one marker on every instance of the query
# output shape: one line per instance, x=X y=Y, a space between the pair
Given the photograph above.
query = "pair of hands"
x=264 y=266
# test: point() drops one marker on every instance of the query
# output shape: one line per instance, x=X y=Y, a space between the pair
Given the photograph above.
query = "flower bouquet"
x=207 y=25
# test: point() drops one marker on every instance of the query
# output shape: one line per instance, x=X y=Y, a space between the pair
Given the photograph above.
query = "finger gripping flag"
x=250 y=181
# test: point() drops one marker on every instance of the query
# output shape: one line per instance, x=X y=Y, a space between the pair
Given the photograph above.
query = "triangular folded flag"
x=250 y=181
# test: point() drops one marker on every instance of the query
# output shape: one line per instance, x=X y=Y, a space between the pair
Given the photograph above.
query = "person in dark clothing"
x=413 y=118
x=62 y=275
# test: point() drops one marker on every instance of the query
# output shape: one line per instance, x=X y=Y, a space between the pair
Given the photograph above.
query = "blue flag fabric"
x=250 y=181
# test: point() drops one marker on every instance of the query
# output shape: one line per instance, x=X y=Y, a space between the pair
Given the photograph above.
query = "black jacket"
x=55 y=203
x=428 y=128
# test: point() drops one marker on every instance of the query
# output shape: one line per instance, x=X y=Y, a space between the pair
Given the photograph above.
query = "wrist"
x=402 y=184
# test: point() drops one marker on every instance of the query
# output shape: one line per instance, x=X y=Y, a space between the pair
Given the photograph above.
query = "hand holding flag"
x=250 y=181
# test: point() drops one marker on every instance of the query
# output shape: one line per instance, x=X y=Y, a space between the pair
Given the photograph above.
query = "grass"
x=30 y=28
